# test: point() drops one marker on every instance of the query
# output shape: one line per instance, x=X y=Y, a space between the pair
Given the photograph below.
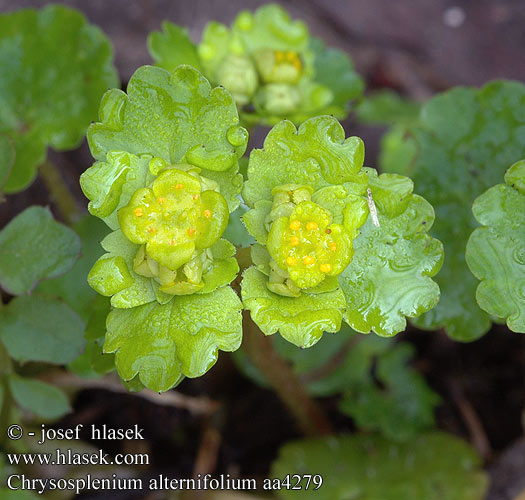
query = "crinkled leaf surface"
x=316 y=154
x=433 y=466
x=390 y=274
x=33 y=247
x=176 y=117
x=164 y=343
x=42 y=399
x=300 y=320
x=401 y=407
x=55 y=67
x=72 y=286
x=173 y=47
x=36 y=328
x=496 y=251
x=466 y=139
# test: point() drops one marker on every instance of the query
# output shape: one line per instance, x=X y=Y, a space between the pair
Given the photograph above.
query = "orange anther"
x=196 y=196
x=161 y=200
x=294 y=241
x=172 y=242
x=152 y=230
x=179 y=186
x=325 y=268
x=291 y=261
x=333 y=247
x=138 y=212
x=191 y=231
x=308 y=260
x=295 y=225
x=206 y=214
x=312 y=226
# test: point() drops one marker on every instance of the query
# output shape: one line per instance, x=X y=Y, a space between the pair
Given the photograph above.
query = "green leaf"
x=496 y=251
x=465 y=140
x=317 y=154
x=434 y=466
x=164 y=343
x=173 y=47
x=72 y=286
x=33 y=247
x=236 y=231
x=7 y=159
x=386 y=107
x=334 y=70
x=177 y=118
x=389 y=276
x=55 y=67
x=400 y=407
x=36 y=328
x=42 y=399
x=300 y=320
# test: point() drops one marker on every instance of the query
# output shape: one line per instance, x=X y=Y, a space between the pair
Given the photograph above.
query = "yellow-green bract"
x=269 y=62
x=319 y=258
x=165 y=181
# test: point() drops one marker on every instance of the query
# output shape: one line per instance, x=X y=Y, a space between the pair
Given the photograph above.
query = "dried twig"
x=478 y=436
x=195 y=405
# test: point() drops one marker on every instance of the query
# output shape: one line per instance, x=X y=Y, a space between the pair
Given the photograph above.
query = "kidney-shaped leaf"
x=164 y=343
x=496 y=251
x=390 y=275
x=42 y=399
x=37 y=328
x=465 y=140
x=55 y=67
x=33 y=247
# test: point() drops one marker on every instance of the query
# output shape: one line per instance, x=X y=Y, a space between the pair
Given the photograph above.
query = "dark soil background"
x=417 y=48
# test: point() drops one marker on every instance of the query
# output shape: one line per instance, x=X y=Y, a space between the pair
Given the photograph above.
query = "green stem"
x=308 y=414
x=59 y=191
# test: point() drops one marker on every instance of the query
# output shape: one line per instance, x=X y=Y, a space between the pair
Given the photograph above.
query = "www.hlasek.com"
x=161 y=483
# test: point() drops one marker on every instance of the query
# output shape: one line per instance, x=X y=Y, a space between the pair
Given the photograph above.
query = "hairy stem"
x=59 y=191
x=308 y=414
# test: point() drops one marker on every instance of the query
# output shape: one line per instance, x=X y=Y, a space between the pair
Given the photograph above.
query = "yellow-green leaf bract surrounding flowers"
x=496 y=251
x=165 y=181
x=269 y=63
x=319 y=258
